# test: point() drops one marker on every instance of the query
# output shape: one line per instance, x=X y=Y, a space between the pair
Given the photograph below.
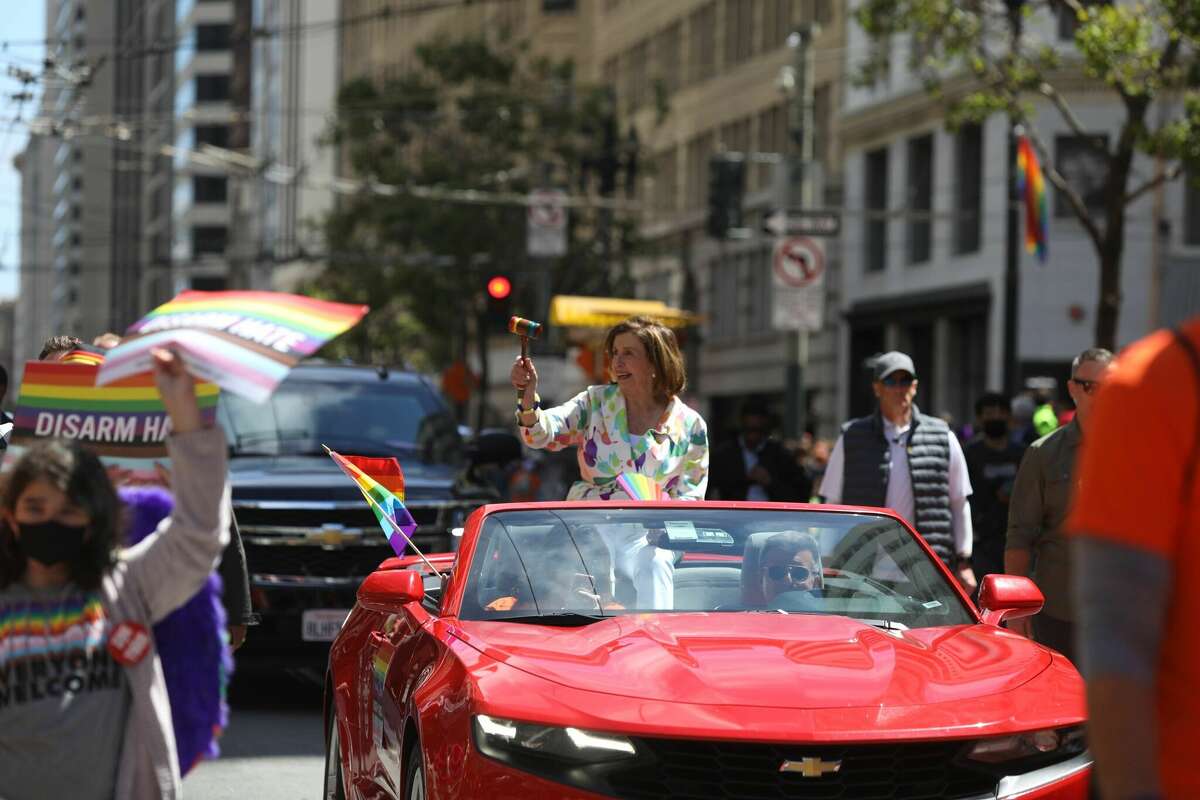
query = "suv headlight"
x=1023 y=752
x=502 y=739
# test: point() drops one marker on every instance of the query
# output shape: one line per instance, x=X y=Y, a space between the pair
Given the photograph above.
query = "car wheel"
x=334 y=786
x=414 y=775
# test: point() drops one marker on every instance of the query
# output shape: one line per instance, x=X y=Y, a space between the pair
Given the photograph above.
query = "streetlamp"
x=1012 y=251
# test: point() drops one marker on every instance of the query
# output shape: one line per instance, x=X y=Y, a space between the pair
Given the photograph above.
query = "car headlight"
x=502 y=738
x=1022 y=752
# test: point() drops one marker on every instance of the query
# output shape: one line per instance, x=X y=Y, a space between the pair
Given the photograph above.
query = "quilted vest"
x=867 y=471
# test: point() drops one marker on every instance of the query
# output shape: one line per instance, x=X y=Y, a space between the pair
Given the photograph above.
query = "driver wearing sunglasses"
x=791 y=562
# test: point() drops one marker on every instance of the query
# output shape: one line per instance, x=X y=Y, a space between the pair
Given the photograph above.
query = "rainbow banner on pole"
x=125 y=423
x=1032 y=186
x=382 y=484
x=245 y=342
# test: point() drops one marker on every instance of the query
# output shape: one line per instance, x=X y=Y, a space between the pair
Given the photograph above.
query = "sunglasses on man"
x=1089 y=387
x=797 y=572
x=892 y=381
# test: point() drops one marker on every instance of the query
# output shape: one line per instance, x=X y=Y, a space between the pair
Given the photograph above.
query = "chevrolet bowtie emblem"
x=811 y=767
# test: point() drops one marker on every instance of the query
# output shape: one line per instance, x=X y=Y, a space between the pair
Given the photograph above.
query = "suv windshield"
x=372 y=419
x=599 y=562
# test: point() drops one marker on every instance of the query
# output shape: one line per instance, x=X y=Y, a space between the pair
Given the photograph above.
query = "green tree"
x=1145 y=53
x=447 y=152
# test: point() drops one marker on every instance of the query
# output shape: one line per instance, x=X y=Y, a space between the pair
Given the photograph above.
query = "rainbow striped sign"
x=245 y=342
x=124 y=423
x=639 y=487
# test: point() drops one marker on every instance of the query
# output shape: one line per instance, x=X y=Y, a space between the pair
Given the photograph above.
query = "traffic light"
x=498 y=291
x=726 y=184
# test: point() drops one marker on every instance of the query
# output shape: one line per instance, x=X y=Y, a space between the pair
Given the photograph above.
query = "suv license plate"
x=322 y=624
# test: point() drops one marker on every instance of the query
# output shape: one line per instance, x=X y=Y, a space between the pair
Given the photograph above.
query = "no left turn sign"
x=798 y=261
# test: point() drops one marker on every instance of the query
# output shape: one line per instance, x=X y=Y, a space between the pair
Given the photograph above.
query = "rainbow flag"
x=639 y=487
x=246 y=342
x=382 y=484
x=125 y=423
x=83 y=355
x=1032 y=186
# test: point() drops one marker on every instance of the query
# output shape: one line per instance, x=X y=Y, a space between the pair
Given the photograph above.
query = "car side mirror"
x=387 y=590
x=1004 y=597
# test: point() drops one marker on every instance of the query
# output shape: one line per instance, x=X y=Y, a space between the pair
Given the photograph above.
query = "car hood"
x=259 y=474
x=794 y=661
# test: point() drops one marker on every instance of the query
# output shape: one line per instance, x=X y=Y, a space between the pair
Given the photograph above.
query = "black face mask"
x=51 y=542
x=995 y=428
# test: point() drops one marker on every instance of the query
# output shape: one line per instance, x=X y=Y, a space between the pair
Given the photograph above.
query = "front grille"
x=689 y=770
x=316 y=561
x=250 y=518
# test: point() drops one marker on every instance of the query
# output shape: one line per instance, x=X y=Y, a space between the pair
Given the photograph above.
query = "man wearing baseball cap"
x=901 y=459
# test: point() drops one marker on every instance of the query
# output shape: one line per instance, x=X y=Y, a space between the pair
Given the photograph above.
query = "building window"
x=776 y=24
x=875 y=201
x=636 y=74
x=216 y=135
x=1191 y=208
x=212 y=37
x=666 y=54
x=724 y=299
x=968 y=190
x=822 y=122
x=209 y=189
x=212 y=88
x=758 y=291
x=209 y=283
x=772 y=138
x=739 y=31
x=698 y=152
x=209 y=240
x=920 y=198
x=1083 y=161
x=557 y=6
x=702 y=43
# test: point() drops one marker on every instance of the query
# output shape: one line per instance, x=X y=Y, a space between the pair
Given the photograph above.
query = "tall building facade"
x=695 y=78
x=924 y=244
x=293 y=93
x=35 y=316
x=204 y=115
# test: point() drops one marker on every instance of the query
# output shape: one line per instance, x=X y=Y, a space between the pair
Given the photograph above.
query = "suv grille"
x=316 y=561
x=252 y=521
x=689 y=770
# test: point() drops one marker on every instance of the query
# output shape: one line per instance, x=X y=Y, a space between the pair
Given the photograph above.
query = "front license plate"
x=322 y=624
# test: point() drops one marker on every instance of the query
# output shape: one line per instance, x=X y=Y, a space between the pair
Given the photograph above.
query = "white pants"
x=637 y=564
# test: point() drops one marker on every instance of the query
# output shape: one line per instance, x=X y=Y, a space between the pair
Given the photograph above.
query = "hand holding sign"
x=245 y=342
x=178 y=391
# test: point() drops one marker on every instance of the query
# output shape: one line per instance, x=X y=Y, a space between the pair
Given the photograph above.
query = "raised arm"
x=171 y=564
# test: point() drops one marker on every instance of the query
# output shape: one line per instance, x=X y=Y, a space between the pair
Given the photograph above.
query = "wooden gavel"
x=527 y=329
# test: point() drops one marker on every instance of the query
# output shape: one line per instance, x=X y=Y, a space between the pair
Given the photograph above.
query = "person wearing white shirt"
x=897 y=456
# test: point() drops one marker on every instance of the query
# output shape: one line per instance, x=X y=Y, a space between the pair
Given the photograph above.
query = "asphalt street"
x=273 y=748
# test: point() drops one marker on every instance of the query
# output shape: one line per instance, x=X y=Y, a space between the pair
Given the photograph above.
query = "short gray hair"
x=1097 y=354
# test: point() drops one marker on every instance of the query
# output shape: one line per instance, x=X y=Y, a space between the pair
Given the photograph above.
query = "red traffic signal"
x=499 y=287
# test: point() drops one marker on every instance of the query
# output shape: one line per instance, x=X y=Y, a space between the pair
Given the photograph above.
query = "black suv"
x=310 y=537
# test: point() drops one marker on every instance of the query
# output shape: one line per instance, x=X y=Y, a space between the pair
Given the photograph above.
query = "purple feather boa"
x=192 y=645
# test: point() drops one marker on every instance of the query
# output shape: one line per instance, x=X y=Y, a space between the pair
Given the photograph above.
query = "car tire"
x=414 y=774
x=335 y=788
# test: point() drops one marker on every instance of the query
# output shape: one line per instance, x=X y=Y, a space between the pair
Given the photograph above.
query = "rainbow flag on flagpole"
x=382 y=484
x=1032 y=186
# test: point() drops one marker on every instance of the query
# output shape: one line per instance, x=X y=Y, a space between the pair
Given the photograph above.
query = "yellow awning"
x=604 y=312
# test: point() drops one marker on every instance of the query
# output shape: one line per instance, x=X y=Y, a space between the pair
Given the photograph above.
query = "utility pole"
x=1012 y=249
x=797 y=192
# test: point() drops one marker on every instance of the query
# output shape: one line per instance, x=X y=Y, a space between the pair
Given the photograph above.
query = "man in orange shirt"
x=1134 y=529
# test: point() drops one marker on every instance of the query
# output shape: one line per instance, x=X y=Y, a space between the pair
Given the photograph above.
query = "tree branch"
x=1152 y=184
x=1060 y=183
x=1050 y=93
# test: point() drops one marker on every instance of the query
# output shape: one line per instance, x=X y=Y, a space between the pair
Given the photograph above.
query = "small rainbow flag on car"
x=1032 y=186
x=639 y=487
x=382 y=484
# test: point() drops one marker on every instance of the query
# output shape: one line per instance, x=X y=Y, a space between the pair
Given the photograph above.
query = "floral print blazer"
x=674 y=453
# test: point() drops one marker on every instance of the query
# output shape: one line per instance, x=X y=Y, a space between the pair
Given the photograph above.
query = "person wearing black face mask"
x=992 y=462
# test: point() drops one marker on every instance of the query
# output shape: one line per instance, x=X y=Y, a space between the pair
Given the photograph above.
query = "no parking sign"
x=798 y=281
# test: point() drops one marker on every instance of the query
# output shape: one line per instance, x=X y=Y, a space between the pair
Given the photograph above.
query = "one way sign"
x=800 y=222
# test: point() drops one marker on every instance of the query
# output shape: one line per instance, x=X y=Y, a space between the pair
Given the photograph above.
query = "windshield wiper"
x=885 y=624
x=562 y=619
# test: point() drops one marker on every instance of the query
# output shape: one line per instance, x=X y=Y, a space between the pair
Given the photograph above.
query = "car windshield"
x=564 y=563
x=373 y=419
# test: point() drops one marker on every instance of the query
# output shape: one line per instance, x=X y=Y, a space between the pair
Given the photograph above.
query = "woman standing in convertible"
x=636 y=424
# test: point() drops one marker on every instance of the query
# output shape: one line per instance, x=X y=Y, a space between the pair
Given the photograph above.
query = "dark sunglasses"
x=894 y=380
x=798 y=573
x=1089 y=387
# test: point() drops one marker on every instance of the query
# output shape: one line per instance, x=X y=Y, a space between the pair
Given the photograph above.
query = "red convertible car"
x=695 y=650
